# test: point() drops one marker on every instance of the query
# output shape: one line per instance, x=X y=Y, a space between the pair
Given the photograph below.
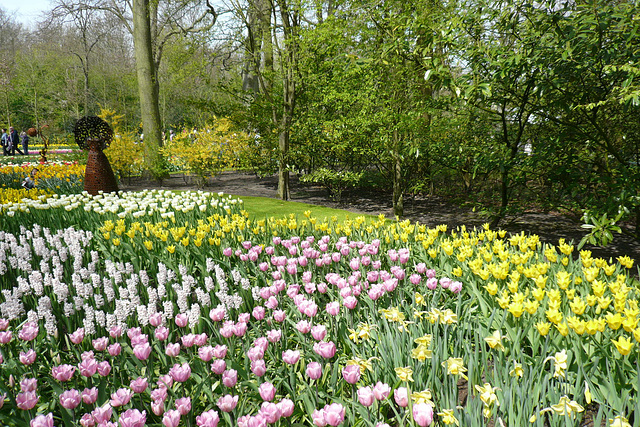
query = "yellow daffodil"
x=619 y=421
x=488 y=394
x=495 y=340
x=405 y=374
x=455 y=366
x=447 y=417
x=517 y=370
x=565 y=406
x=560 y=363
x=422 y=397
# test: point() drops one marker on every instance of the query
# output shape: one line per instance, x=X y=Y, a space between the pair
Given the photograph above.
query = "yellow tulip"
x=623 y=345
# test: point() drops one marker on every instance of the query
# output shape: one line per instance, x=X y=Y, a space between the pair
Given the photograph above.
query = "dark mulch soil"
x=429 y=210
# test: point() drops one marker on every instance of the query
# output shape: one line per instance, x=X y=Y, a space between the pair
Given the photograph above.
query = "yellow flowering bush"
x=206 y=152
x=125 y=156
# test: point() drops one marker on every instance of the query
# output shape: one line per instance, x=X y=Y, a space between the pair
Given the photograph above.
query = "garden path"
x=427 y=210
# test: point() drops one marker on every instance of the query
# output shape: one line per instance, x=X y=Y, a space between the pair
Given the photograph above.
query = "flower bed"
x=157 y=308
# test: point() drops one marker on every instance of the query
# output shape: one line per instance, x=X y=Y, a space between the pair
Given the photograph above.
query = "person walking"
x=15 y=140
x=4 y=140
x=25 y=142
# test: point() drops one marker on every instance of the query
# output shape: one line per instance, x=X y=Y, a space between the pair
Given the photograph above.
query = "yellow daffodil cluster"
x=362 y=332
x=422 y=351
x=487 y=395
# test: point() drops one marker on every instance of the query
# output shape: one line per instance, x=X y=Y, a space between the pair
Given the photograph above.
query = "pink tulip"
x=87 y=421
x=415 y=279
x=421 y=268
x=42 y=421
x=88 y=367
x=183 y=405
x=334 y=414
x=217 y=314
x=286 y=407
x=270 y=412
x=155 y=319
x=227 y=252
x=90 y=395
x=455 y=287
x=28 y=358
x=432 y=283
x=227 y=330
x=142 y=351
x=258 y=367
x=325 y=349
x=401 y=397
x=27 y=400
x=227 y=403
x=4 y=324
x=188 y=340
x=171 y=418
x=159 y=394
x=381 y=391
x=29 y=384
x=114 y=349
x=267 y=391
x=165 y=381
x=208 y=419
x=218 y=366
x=365 y=396
x=318 y=332
x=104 y=368
x=240 y=329
x=220 y=351
x=351 y=373
x=182 y=320
x=5 y=337
x=157 y=407
x=318 y=418
x=77 y=336
x=333 y=308
x=63 y=372
x=445 y=282
x=121 y=397
x=230 y=378
x=102 y=414
x=291 y=357
x=29 y=331
x=422 y=414
x=134 y=332
x=259 y=312
x=173 y=349
x=139 y=385
x=70 y=399
x=279 y=316
x=100 y=344
x=115 y=331
x=255 y=353
x=205 y=353
x=133 y=418
x=303 y=326
x=274 y=335
x=180 y=373
x=161 y=333
x=314 y=370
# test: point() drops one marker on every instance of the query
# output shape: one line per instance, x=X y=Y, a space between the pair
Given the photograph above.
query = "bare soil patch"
x=429 y=210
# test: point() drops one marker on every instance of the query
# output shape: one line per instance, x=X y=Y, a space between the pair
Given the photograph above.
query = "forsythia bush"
x=125 y=156
x=208 y=151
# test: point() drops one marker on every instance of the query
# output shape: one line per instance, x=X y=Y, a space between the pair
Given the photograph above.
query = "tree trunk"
x=398 y=198
x=148 y=89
